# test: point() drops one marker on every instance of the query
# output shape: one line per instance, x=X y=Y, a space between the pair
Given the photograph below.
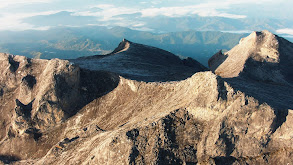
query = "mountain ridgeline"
x=142 y=62
x=143 y=105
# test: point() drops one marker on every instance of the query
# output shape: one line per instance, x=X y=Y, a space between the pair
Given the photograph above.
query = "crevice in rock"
x=67 y=141
x=167 y=157
x=280 y=118
x=13 y=64
x=7 y=159
x=35 y=133
x=222 y=90
x=29 y=80
x=24 y=110
x=222 y=160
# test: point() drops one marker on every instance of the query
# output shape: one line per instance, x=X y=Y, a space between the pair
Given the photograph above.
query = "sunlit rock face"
x=261 y=56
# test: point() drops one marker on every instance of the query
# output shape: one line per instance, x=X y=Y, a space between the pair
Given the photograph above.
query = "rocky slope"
x=142 y=62
x=261 y=56
x=110 y=119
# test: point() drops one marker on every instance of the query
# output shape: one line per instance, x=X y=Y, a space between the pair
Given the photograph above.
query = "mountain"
x=262 y=56
x=141 y=62
x=70 y=42
x=58 y=112
x=165 y=23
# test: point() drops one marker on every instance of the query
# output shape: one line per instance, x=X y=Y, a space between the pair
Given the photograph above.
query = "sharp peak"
x=123 y=46
x=260 y=37
x=125 y=40
x=262 y=33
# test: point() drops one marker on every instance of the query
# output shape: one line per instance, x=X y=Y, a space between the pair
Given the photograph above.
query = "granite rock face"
x=99 y=117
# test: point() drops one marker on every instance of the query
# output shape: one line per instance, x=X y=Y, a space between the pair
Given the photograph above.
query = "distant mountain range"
x=70 y=42
x=74 y=42
x=161 y=23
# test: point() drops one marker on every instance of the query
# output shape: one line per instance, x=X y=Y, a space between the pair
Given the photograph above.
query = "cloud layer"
x=285 y=31
x=7 y=3
x=133 y=14
x=206 y=9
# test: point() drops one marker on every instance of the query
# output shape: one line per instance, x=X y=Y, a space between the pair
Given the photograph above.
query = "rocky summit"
x=143 y=105
x=261 y=56
x=142 y=63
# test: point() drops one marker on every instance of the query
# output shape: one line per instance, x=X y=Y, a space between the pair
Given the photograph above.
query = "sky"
x=136 y=14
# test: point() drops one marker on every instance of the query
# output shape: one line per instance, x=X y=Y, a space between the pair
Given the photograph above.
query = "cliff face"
x=98 y=117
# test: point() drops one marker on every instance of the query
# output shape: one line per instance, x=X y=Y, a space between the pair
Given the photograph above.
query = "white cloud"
x=205 y=10
x=108 y=12
x=209 y=8
x=285 y=31
x=139 y=25
x=14 y=21
x=5 y=3
x=142 y=29
x=214 y=13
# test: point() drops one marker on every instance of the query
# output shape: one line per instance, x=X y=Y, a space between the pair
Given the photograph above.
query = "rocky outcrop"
x=261 y=56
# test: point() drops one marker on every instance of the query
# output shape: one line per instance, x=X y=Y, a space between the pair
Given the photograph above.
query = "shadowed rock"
x=29 y=80
x=13 y=64
x=23 y=110
x=7 y=159
x=143 y=63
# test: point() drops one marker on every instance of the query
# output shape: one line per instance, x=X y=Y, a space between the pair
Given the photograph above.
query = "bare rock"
x=261 y=56
x=53 y=112
x=199 y=120
x=143 y=63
